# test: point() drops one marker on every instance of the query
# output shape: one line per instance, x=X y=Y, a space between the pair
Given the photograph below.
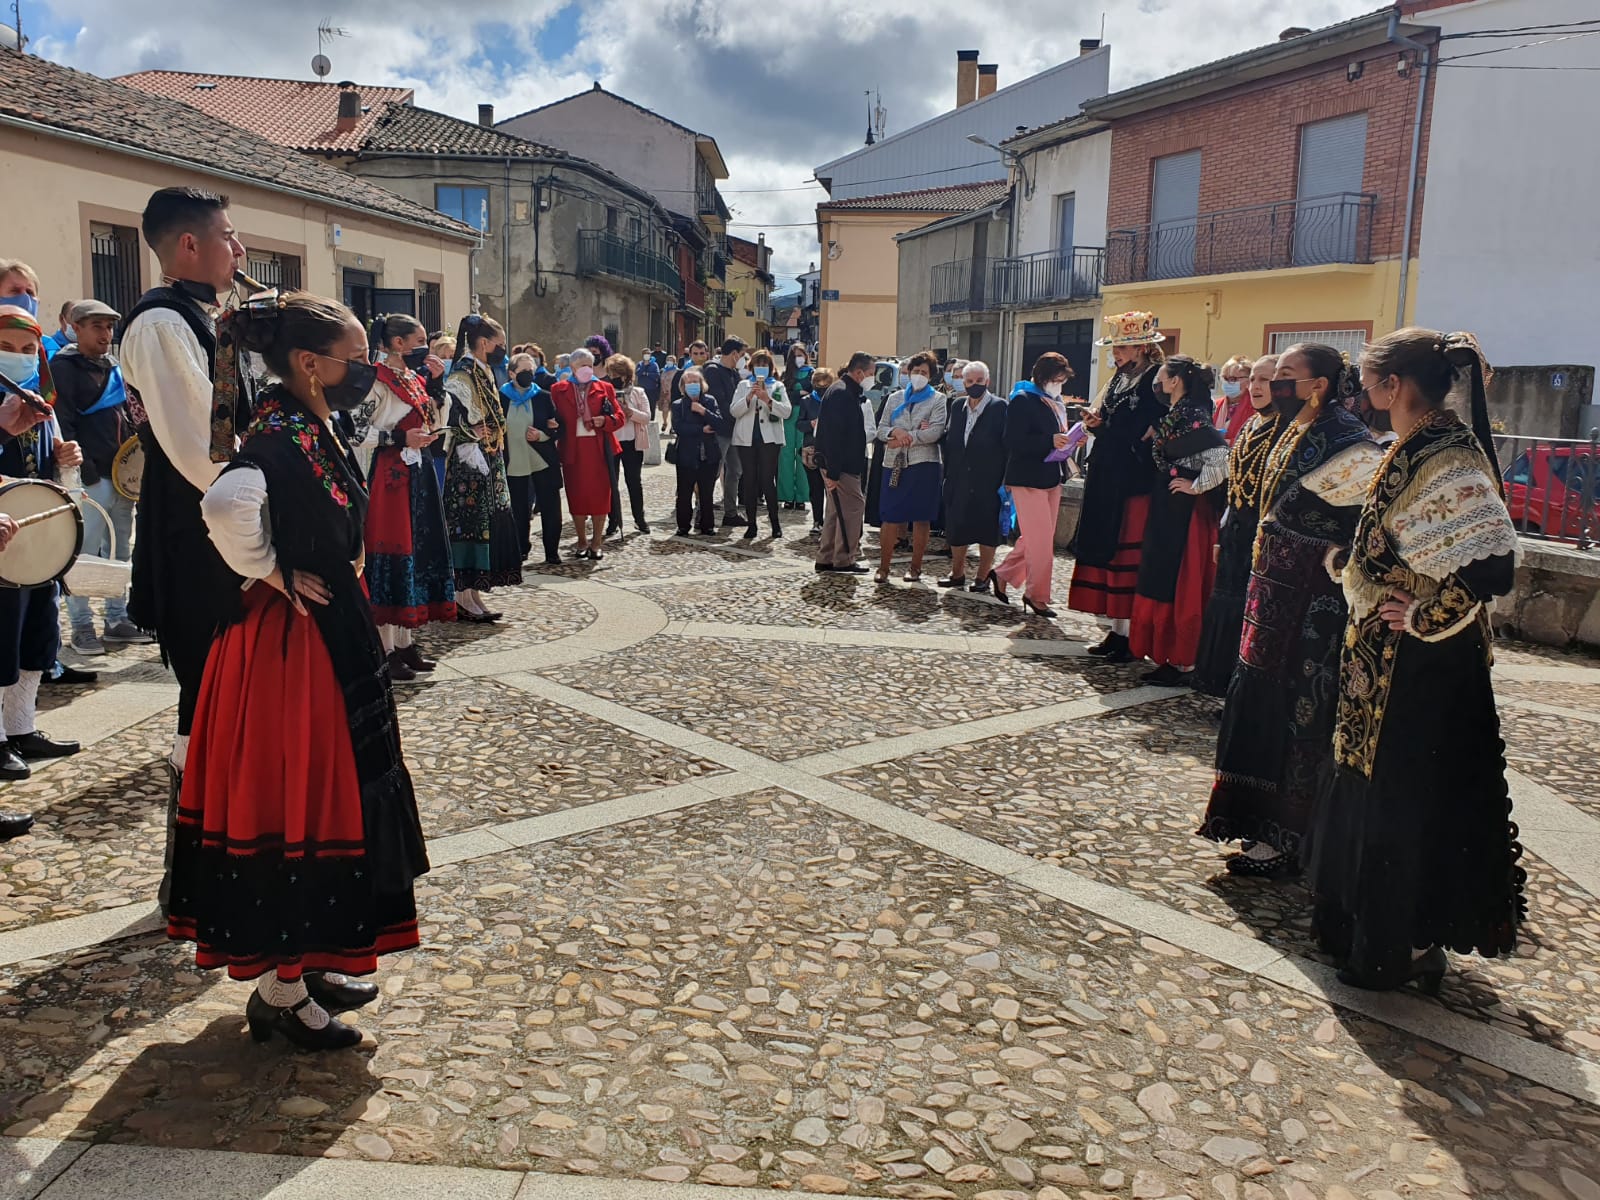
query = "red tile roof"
x=955 y=198
x=291 y=112
x=50 y=97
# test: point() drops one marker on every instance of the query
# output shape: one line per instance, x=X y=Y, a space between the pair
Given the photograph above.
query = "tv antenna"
x=321 y=65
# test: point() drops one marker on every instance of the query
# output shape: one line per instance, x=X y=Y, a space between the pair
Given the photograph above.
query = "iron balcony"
x=1023 y=281
x=601 y=253
x=1318 y=231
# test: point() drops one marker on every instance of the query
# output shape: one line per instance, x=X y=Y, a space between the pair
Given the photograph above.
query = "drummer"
x=92 y=409
x=29 y=634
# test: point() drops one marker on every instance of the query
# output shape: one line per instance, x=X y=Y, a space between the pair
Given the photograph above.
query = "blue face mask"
x=1231 y=388
x=762 y=372
x=21 y=369
x=691 y=390
x=24 y=301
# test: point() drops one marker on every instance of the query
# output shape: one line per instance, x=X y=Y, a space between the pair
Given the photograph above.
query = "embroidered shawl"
x=1433 y=511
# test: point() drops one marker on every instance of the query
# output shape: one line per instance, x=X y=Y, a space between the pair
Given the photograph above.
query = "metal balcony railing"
x=693 y=295
x=1023 y=281
x=601 y=253
x=1263 y=237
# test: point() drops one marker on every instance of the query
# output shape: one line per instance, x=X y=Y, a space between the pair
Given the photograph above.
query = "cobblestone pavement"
x=746 y=878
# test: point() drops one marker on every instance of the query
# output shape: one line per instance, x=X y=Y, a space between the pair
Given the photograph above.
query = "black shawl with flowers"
x=318 y=503
x=1181 y=435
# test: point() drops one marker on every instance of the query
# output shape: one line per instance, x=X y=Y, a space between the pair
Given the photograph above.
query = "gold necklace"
x=1277 y=465
x=1249 y=461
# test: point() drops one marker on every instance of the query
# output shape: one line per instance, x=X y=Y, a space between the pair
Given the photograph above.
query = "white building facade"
x=1510 y=240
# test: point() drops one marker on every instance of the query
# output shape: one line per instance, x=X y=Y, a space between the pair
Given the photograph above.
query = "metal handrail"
x=1530 y=465
x=1311 y=231
x=602 y=253
x=1018 y=281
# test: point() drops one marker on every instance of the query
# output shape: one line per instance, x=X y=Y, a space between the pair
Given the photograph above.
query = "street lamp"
x=1010 y=157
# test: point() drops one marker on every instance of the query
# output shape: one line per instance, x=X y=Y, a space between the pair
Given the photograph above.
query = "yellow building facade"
x=1214 y=317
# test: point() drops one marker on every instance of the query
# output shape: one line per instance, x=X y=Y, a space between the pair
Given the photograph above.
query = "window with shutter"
x=1174 y=207
x=1333 y=156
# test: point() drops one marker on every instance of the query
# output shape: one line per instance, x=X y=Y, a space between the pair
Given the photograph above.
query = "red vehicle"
x=1545 y=490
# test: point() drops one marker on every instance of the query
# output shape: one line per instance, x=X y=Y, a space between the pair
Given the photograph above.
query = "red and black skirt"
x=1167 y=631
x=274 y=866
x=1108 y=591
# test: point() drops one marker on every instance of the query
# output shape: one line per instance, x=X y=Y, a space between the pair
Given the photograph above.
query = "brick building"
x=1262 y=199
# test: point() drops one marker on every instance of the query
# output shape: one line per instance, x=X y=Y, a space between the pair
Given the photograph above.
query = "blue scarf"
x=116 y=393
x=1028 y=388
x=516 y=395
x=917 y=398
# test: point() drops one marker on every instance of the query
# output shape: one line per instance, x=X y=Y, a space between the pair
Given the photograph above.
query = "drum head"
x=40 y=552
x=127 y=469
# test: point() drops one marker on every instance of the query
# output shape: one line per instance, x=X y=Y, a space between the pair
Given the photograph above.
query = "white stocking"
x=19 y=704
x=286 y=995
x=180 y=752
x=386 y=636
x=1120 y=626
x=402 y=637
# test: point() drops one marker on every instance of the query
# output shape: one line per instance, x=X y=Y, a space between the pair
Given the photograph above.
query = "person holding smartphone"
x=696 y=418
x=760 y=408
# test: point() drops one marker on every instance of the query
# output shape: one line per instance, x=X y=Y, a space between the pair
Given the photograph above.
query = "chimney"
x=1087 y=46
x=966 y=77
x=486 y=115
x=1294 y=31
x=988 y=79
x=349 y=108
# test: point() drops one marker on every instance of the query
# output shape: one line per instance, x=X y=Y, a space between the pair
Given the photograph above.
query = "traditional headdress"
x=1462 y=351
x=230 y=381
x=12 y=317
x=1132 y=329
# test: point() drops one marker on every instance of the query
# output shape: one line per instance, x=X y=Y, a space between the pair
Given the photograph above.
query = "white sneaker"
x=85 y=642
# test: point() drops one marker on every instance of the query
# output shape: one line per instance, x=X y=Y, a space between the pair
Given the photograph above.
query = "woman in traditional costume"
x=1116 y=492
x=1177 y=564
x=484 y=545
x=298 y=838
x=1277 y=723
x=409 y=575
x=1219 y=639
x=591 y=415
x=1412 y=851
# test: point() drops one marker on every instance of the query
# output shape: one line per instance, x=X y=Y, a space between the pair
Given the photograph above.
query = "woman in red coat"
x=588 y=407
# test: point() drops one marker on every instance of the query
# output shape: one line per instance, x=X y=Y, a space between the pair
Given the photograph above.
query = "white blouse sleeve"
x=1212 y=465
x=235 y=511
x=1343 y=480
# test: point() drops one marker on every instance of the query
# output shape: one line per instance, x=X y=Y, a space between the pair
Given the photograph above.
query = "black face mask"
x=353 y=389
x=497 y=356
x=1285 y=401
x=976 y=390
x=524 y=379
x=416 y=359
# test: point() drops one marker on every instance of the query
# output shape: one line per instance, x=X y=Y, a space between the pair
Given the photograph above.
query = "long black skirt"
x=1424 y=853
x=1219 y=638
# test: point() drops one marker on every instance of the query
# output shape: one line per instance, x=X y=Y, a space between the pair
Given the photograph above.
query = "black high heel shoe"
x=265 y=1020
x=1038 y=610
x=1427 y=972
x=999 y=587
x=1105 y=647
x=339 y=997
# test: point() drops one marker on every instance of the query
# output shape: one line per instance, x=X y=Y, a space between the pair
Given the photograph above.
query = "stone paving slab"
x=482 y=753
x=1085 y=797
x=774 y=997
x=1562 y=753
x=1585 y=697
x=828 y=696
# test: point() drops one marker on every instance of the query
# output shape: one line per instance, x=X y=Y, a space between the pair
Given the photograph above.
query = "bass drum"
x=127 y=469
x=51 y=534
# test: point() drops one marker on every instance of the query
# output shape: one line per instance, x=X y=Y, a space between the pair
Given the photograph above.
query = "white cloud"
x=781 y=90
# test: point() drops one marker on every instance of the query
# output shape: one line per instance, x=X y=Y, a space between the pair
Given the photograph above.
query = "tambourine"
x=50 y=536
x=127 y=469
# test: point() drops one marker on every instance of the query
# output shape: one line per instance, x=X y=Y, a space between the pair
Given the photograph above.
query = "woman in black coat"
x=975 y=467
x=546 y=427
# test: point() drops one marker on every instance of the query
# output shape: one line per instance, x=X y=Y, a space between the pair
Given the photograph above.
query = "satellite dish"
x=321 y=66
x=11 y=39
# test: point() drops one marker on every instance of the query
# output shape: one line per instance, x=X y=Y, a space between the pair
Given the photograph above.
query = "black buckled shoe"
x=66 y=675
x=11 y=764
x=339 y=997
x=14 y=825
x=38 y=745
x=264 y=1020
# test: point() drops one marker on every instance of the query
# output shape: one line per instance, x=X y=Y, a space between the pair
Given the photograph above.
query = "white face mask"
x=19 y=368
x=1053 y=390
x=799 y=360
x=918 y=382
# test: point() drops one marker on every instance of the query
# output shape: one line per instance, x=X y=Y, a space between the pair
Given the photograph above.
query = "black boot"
x=264 y=1020
x=339 y=997
x=14 y=825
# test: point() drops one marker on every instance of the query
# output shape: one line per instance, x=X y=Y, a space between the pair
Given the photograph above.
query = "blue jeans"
x=96 y=542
